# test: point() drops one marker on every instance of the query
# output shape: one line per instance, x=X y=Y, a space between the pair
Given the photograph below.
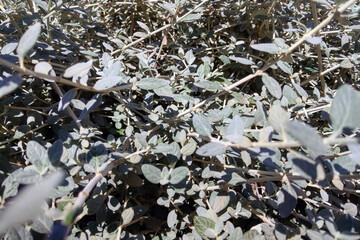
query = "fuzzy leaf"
x=345 y=111
x=314 y=40
x=178 y=174
x=151 y=173
x=36 y=154
x=152 y=83
x=45 y=68
x=241 y=60
x=211 y=149
x=201 y=224
x=271 y=48
x=272 y=86
x=127 y=215
x=79 y=69
x=307 y=136
x=108 y=82
x=202 y=125
x=171 y=218
x=191 y=18
x=235 y=129
x=28 y=40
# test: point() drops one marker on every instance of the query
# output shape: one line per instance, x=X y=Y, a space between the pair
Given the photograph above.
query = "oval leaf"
x=241 y=60
x=108 y=82
x=345 y=112
x=127 y=215
x=219 y=201
x=235 y=129
x=28 y=40
x=45 y=68
x=286 y=200
x=211 y=149
x=202 y=125
x=172 y=218
x=201 y=224
x=307 y=136
x=152 y=83
x=314 y=40
x=36 y=154
x=151 y=173
x=266 y=47
x=178 y=174
x=272 y=86
x=79 y=69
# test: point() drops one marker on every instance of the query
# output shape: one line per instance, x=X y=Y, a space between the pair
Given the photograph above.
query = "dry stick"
x=283 y=144
x=28 y=72
x=160 y=29
x=318 y=49
x=264 y=218
x=320 y=75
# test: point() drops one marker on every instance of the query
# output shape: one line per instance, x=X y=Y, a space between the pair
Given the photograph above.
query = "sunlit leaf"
x=278 y=118
x=79 y=69
x=266 y=47
x=127 y=215
x=36 y=154
x=108 y=82
x=28 y=40
x=178 y=174
x=241 y=60
x=151 y=173
x=345 y=112
x=201 y=224
x=272 y=86
x=152 y=83
x=202 y=125
x=314 y=40
x=235 y=129
x=171 y=218
x=191 y=18
x=211 y=149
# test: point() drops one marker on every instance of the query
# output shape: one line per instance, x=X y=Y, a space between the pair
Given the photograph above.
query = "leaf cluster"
x=179 y=119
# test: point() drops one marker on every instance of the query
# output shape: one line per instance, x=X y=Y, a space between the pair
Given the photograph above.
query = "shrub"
x=179 y=120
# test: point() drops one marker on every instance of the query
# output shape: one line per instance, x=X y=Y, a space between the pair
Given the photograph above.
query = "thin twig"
x=29 y=72
x=318 y=49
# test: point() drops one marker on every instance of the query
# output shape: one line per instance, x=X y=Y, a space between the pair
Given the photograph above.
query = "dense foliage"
x=179 y=119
